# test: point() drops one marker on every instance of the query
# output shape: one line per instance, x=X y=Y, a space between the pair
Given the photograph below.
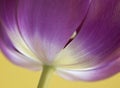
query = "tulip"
x=77 y=39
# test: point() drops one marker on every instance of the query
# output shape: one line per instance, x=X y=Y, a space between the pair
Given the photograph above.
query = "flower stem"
x=45 y=76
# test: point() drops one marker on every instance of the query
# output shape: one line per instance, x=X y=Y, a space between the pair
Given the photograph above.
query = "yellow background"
x=12 y=76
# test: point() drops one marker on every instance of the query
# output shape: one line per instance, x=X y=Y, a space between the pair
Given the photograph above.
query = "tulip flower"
x=76 y=39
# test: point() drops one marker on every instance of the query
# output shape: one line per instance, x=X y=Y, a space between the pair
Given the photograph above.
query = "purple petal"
x=20 y=59
x=45 y=26
x=51 y=23
x=99 y=38
x=96 y=44
x=90 y=75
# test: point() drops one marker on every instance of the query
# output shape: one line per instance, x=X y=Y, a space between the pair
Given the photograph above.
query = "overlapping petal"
x=24 y=57
x=39 y=29
x=33 y=32
x=97 y=44
x=50 y=23
x=90 y=75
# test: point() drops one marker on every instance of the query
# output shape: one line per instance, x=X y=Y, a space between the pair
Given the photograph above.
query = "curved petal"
x=44 y=25
x=50 y=24
x=20 y=59
x=90 y=75
x=98 y=41
x=24 y=57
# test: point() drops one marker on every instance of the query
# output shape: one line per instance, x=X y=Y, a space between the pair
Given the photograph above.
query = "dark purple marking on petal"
x=44 y=26
x=51 y=22
x=100 y=33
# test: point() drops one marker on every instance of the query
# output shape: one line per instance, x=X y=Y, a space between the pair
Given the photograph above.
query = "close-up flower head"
x=77 y=39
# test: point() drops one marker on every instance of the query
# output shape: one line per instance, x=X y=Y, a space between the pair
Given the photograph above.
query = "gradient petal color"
x=38 y=29
x=37 y=32
x=90 y=75
x=96 y=46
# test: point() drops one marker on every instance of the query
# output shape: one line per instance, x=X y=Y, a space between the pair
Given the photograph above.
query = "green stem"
x=45 y=76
